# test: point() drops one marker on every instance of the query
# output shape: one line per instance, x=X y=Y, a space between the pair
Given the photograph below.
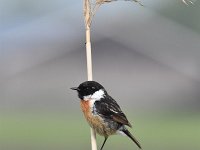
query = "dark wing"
x=108 y=108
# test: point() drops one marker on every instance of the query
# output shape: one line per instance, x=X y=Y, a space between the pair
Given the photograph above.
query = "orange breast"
x=85 y=106
x=94 y=121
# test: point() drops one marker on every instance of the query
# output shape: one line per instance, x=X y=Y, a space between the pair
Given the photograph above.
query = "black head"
x=87 y=88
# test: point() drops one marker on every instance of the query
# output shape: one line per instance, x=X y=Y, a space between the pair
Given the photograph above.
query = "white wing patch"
x=113 y=111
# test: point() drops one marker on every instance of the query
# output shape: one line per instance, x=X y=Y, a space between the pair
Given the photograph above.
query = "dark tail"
x=132 y=137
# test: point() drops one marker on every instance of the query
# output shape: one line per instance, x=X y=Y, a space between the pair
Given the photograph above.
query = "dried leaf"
x=187 y=2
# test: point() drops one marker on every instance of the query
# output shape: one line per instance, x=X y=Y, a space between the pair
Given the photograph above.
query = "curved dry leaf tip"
x=187 y=2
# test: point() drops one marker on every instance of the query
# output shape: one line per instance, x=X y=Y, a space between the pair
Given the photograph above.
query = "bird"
x=102 y=112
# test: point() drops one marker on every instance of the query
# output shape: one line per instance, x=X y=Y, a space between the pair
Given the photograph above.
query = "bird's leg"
x=104 y=142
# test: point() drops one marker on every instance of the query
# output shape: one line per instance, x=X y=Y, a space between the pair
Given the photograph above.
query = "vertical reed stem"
x=87 y=14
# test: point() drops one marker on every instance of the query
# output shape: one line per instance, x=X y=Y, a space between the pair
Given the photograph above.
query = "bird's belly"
x=95 y=121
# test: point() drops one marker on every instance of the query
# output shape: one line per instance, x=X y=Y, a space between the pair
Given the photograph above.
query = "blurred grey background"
x=149 y=54
x=147 y=57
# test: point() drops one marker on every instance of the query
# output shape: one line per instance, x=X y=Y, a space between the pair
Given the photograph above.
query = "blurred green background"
x=61 y=131
x=146 y=57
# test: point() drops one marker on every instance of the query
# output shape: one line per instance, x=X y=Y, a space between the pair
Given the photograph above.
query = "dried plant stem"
x=88 y=54
x=87 y=15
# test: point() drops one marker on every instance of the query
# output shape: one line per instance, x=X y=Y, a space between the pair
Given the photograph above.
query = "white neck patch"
x=96 y=96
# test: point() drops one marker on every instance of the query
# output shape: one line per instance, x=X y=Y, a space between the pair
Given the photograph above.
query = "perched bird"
x=102 y=112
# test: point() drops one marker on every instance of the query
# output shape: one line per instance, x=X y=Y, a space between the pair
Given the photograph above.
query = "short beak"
x=75 y=88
